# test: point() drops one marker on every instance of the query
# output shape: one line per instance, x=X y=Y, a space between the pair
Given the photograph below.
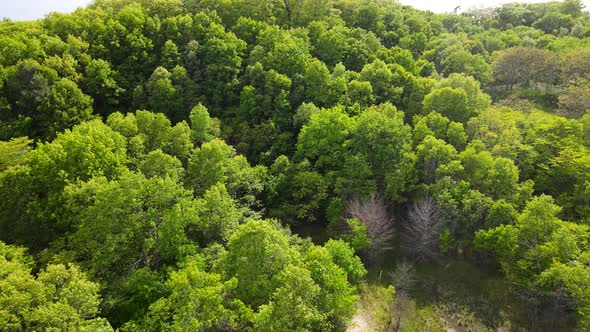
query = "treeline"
x=153 y=152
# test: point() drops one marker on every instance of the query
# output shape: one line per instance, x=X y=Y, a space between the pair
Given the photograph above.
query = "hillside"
x=295 y=165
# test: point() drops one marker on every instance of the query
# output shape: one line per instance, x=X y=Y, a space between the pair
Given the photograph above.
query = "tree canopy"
x=182 y=165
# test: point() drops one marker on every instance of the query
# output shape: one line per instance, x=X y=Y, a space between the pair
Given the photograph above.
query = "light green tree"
x=59 y=298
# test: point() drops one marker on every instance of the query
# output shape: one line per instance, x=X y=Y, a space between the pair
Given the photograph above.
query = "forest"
x=295 y=165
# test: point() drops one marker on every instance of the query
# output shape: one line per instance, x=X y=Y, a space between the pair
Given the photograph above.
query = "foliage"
x=59 y=298
x=14 y=152
x=156 y=148
x=538 y=243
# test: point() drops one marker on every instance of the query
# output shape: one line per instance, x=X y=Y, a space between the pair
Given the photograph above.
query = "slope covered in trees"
x=155 y=155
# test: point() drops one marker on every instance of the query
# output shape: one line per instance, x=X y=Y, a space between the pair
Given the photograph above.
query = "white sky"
x=23 y=10
x=19 y=10
x=441 y=6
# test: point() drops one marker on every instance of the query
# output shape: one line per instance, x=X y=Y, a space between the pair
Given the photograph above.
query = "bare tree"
x=380 y=229
x=422 y=229
x=403 y=279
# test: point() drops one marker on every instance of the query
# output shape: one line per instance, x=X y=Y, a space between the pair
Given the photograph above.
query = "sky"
x=25 y=10
x=22 y=10
x=443 y=6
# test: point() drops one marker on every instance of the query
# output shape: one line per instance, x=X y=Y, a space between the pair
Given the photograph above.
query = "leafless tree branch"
x=422 y=229
x=380 y=227
x=403 y=279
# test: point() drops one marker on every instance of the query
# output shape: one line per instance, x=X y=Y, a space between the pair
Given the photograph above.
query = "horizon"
x=28 y=10
x=449 y=6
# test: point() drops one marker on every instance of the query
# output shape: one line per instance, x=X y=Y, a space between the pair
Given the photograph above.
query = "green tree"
x=585 y=120
x=523 y=66
x=266 y=96
x=382 y=137
x=380 y=76
x=153 y=129
x=201 y=124
x=501 y=213
x=458 y=97
x=360 y=92
x=553 y=22
x=572 y=8
x=343 y=256
x=576 y=99
x=566 y=178
x=449 y=102
x=307 y=191
x=59 y=298
x=161 y=94
x=496 y=177
x=535 y=244
x=221 y=59
x=88 y=150
x=256 y=254
x=133 y=223
x=337 y=297
x=324 y=138
x=65 y=106
x=195 y=299
x=101 y=82
x=575 y=277
x=575 y=65
x=540 y=252
x=185 y=93
x=170 y=56
x=469 y=64
x=218 y=216
x=207 y=165
x=179 y=142
x=431 y=154
x=355 y=178
x=31 y=98
x=158 y=163
x=294 y=304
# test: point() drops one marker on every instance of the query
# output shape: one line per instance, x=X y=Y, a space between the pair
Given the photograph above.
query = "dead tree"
x=403 y=279
x=380 y=228
x=422 y=229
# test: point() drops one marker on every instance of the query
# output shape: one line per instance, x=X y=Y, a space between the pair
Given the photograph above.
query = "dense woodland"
x=163 y=163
